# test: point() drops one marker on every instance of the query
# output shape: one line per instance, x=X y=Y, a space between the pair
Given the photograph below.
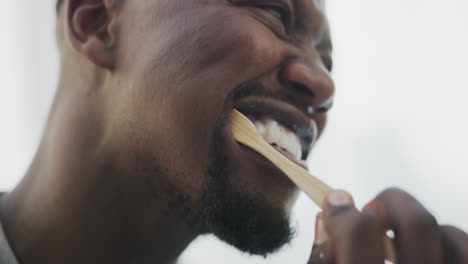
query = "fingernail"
x=339 y=198
x=320 y=232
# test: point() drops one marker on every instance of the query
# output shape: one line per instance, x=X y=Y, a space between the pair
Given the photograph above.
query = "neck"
x=77 y=205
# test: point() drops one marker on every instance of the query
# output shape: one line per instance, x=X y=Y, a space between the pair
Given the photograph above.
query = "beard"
x=245 y=220
x=248 y=221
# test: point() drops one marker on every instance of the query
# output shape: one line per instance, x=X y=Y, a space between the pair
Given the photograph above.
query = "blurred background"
x=400 y=117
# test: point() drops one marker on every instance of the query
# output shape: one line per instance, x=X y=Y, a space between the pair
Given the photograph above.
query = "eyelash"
x=278 y=12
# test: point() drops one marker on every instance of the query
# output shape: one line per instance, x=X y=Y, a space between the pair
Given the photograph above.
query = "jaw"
x=252 y=173
x=246 y=203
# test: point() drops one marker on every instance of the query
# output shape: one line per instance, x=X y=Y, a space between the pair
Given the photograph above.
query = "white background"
x=400 y=118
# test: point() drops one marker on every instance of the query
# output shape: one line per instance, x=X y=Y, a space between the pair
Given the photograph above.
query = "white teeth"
x=260 y=128
x=275 y=133
x=314 y=127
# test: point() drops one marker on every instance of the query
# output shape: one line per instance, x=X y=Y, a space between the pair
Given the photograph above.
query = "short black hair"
x=59 y=4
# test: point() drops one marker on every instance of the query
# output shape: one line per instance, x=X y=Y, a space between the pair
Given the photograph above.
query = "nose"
x=312 y=79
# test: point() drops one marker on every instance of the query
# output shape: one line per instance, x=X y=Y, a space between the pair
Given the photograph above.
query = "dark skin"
x=144 y=96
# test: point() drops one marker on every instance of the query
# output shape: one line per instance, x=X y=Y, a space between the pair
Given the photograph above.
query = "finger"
x=318 y=255
x=355 y=237
x=320 y=250
x=417 y=233
x=455 y=244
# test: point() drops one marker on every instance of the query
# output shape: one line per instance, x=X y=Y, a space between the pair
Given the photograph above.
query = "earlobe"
x=98 y=52
x=87 y=30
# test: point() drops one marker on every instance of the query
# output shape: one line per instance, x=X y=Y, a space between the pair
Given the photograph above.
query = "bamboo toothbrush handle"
x=244 y=132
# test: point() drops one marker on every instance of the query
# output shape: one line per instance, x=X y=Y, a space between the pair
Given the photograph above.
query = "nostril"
x=322 y=110
x=325 y=107
x=303 y=89
x=310 y=82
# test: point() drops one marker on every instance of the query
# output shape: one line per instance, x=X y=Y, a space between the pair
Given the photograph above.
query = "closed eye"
x=277 y=12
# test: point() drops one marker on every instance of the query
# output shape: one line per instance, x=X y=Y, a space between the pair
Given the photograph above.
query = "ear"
x=89 y=30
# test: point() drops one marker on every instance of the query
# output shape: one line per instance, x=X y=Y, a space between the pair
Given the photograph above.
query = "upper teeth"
x=275 y=133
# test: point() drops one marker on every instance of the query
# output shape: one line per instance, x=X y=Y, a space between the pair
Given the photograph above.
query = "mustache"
x=255 y=88
x=258 y=89
x=251 y=88
x=244 y=90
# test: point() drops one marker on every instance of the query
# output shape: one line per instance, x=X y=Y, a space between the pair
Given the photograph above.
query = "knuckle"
x=396 y=199
x=393 y=194
x=424 y=219
x=449 y=228
x=452 y=229
x=455 y=244
x=422 y=224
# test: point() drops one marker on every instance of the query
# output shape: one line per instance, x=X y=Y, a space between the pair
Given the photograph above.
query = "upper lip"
x=285 y=113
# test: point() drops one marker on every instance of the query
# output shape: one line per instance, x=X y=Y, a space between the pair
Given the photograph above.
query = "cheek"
x=188 y=69
x=178 y=76
x=221 y=56
x=242 y=48
x=218 y=58
x=220 y=43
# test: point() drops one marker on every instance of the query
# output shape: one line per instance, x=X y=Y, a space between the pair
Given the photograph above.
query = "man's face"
x=182 y=66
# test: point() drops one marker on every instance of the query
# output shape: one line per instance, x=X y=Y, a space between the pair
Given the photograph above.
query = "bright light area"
x=400 y=117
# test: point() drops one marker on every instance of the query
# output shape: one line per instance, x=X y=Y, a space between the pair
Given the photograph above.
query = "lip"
x=288 y=115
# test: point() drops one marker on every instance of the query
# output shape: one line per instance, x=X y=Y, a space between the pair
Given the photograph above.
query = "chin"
x=246 y=218
x=247 y=200
x=248 y=222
